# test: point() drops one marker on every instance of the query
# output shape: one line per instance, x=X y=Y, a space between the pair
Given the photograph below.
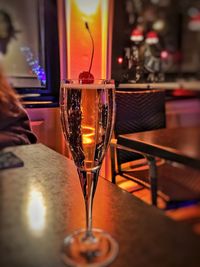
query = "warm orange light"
x=79 y=47
x=87 y=140
x=88 y=135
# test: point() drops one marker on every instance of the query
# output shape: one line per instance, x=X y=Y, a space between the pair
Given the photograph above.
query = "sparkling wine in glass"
x=87 y=116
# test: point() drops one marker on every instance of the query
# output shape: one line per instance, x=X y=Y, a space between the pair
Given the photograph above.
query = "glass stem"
x=89 y=203
x=88 y=181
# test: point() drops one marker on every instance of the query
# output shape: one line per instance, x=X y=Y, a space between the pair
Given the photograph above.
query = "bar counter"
x=42 y=202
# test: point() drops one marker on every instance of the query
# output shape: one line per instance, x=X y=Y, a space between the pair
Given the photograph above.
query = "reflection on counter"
x=36 y=212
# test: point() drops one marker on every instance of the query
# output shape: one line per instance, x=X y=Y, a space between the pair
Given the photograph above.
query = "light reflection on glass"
x=36 y=212
x=88 y=135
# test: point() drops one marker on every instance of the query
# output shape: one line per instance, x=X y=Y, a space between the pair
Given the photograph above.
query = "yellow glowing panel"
x=79 y=46
x=88 y=135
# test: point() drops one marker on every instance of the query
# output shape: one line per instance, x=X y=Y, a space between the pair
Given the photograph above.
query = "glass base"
x=97 y=250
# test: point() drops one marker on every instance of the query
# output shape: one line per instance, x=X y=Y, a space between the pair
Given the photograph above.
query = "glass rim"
x=89 y=79
x=89 y=84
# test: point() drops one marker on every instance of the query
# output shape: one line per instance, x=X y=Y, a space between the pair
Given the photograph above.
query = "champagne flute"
x=87 y=116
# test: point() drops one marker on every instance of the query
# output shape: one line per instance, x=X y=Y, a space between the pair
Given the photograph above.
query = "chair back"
x=138 y=111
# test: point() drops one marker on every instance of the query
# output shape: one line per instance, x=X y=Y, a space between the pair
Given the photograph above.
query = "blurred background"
x=166 y=33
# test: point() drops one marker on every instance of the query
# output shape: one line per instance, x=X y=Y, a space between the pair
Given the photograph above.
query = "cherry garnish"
x=86 y=76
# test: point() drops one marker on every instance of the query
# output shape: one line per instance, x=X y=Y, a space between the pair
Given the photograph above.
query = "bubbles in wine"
x=87 y=122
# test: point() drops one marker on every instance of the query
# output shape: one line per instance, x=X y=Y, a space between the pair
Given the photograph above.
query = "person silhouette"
x=7 y=31
x=15 y=126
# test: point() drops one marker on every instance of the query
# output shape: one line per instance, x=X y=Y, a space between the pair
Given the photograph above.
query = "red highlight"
x=164 y=54
x=120 y=60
